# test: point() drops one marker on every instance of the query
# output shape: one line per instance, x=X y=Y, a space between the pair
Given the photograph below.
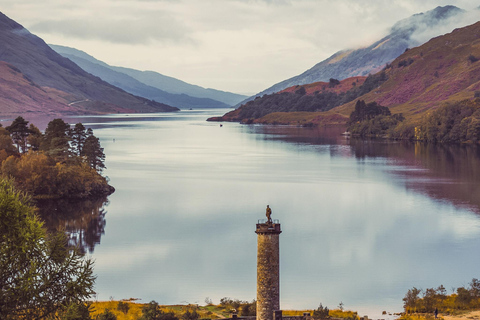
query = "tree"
x=19 y=132
x=123 y=307
x=411 y=299
x=190 y=315
x=364 y=111
x=39 y=275
x=475 y=288
x=56 y=139
x=77 y=311
x=35 y=137
x=107 y=315
x=78 y=136
x=94 y=153
x=152 y=311
x=321 y=313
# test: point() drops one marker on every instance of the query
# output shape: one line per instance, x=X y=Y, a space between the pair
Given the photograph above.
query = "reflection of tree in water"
x=83 y=221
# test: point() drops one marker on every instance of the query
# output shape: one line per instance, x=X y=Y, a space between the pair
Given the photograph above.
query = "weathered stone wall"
x=268 y=268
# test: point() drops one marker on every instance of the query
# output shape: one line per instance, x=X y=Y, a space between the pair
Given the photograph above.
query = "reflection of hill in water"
x=83 y=221
x=441 y=171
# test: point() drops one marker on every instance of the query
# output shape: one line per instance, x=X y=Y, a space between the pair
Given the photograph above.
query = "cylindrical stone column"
x=268 y=270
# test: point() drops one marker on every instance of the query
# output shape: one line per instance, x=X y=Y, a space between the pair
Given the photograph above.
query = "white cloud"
x=234 y=45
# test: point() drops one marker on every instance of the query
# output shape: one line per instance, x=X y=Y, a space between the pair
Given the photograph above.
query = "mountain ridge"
x=345 y=63
x=62 y=78
x=444 y=70
x=169 y=85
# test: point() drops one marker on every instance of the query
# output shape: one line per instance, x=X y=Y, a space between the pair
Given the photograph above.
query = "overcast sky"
x=242 y=46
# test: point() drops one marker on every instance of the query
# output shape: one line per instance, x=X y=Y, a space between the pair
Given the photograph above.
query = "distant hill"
x=72 y=90
x=150 y=84
x=404 y=34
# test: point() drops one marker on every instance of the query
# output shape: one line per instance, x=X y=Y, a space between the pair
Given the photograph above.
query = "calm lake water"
x=362 y=221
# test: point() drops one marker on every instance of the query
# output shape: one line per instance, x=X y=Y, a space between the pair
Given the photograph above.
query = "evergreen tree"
x=39 y=276
x=94 y=153
x=78 y=136
x=35 y=137
x=19 y=132
x=56 y=139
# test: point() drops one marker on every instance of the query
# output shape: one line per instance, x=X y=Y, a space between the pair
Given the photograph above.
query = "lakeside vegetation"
x=63 y=162
x=132 y=310
x=458 y=122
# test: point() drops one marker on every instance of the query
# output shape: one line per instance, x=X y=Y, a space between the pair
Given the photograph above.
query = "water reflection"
x=446 y=172
x=83 y=221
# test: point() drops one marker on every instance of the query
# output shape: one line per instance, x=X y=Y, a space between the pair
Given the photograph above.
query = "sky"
x=241 y=46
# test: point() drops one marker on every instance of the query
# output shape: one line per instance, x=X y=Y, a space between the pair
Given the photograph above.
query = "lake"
x=362 y=221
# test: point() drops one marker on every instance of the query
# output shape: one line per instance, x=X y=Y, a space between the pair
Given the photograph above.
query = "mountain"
x=168 y=89
x=406 y=33
x=442 y=71
x=118 y=78
x=445 y=69
x=74 y=90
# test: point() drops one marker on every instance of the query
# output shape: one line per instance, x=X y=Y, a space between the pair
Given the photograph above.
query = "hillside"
x=74 y=90
x=150 y=84
x=445 y=69
x=347 y=63
x=315 y=97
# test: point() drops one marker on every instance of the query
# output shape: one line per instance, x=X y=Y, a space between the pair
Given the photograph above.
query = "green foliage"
x=248 y=309
x=78 y=135
x=39 y=276
x=56 y=140
x=372 y=119
x=458 y=122
x=151 y=311
x=107 y=315
x=93 y=152
x=19 y=132
x=368 y=111
x=35 y=137
x=321 y=313
x=123 y=307
x=77 y=311
x=190 y=315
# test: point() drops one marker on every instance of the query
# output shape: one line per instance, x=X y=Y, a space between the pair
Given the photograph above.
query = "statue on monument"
x=269 y=213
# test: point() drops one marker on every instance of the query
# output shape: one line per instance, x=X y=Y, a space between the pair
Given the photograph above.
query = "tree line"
x=63 y=162
x=426 y=301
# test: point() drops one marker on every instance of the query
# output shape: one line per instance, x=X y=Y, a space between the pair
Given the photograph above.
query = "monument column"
x=268 y=267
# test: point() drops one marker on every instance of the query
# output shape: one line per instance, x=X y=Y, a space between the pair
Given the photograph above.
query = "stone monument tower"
x=268 y=267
